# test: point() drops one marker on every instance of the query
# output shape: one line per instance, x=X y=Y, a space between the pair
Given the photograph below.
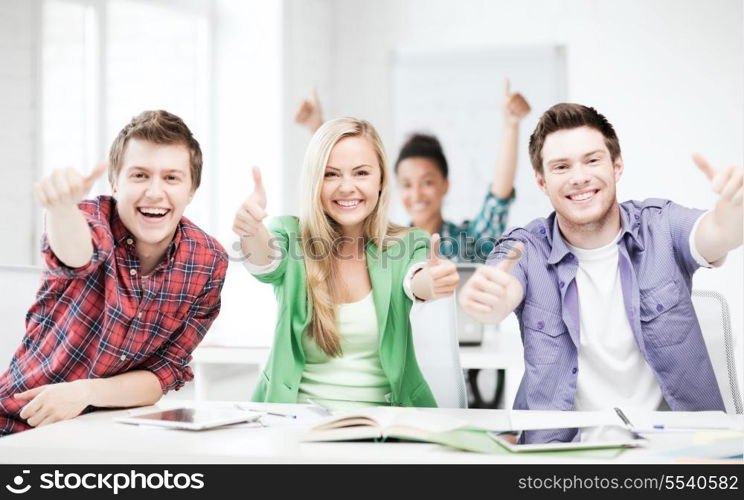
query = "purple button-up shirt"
x=656 y=268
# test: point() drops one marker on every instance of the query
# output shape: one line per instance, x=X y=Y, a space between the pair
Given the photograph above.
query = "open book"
x=383 y=422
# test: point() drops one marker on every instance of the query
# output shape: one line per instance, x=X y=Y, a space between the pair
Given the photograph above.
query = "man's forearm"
x=69 y=235
x=720 y=231
x=135 y=388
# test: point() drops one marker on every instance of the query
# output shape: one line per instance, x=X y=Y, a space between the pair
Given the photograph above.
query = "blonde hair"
x=320 y=235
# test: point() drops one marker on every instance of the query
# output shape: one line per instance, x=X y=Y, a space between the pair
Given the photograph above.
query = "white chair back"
x=434 y=325
x=715 y=321
x=18 y=287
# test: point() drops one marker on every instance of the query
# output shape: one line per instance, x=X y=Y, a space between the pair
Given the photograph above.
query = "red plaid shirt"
x=104 y=318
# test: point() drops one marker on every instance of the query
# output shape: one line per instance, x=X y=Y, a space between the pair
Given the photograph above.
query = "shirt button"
x=130 y=241
x=122 y=357
x=574 y=370
x=659 y=307
x=561 y=284
x=637 y=217
x=132 y=272
x=171 y=261
x=540 y=325
x=569 y=256
x=542 y=230
x=139 y=314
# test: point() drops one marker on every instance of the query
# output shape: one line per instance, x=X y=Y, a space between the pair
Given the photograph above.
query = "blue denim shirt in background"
x=656 y=268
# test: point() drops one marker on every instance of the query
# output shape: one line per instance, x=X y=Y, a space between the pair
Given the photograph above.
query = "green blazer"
x=280 y=380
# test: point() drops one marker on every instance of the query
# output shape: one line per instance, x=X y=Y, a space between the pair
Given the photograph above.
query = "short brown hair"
x=568 y=115
x=159 y=127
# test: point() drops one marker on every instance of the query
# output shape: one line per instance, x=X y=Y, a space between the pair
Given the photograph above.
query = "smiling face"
x=579 y=177
x=422 y=189
x=351 y=184
x=152 y=190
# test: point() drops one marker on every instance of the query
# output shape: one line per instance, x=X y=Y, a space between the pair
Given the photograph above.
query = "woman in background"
x=345 y=279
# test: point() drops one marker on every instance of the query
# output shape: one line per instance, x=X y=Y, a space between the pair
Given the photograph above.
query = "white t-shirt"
x=612 y=370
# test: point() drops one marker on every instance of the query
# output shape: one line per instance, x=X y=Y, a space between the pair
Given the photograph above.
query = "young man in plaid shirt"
x=130 y=286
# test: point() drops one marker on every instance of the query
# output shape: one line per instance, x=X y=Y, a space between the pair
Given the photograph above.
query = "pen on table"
x=275 y=414
x=319 y=408
x=272 y=413
x=666 y=428
x=624 y=418
x=629 y=425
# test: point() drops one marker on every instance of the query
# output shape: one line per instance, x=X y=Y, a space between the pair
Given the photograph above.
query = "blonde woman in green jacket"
x=345 y=279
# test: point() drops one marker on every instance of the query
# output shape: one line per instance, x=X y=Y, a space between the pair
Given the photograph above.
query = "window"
x=103 y=61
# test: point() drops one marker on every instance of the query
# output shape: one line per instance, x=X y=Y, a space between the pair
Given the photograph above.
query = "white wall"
x=18 y=131
x=307 y=55
x=246 y=131
x=667 y=73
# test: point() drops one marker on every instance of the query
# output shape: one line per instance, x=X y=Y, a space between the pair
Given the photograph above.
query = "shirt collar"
x=558 y=247
x=629 y=224
x=118 y=229
x=630 y=220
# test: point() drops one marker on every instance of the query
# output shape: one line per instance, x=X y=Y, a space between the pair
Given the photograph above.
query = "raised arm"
x=515 y=108
x=309 y=114
x=66 y=228
x=255 y=239
x=720 y=230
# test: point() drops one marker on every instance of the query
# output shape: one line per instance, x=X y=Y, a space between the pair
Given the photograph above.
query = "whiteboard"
x=456 y=94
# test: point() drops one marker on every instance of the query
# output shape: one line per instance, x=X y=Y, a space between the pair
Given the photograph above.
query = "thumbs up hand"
x=492 y=293
x=443 y=273
x=438 y=278
x=726 y=182
x=515 y=105
x=309 y=114
x=66 y=187
x=249 y=217
x=721 y=229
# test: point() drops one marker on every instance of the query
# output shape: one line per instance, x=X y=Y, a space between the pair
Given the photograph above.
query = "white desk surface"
x=96 y=438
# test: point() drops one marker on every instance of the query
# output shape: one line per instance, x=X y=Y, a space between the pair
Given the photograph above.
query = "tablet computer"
x=192 y=419
x=588 y=438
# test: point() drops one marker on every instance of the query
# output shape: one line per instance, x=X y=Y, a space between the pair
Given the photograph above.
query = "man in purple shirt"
x=602 y=289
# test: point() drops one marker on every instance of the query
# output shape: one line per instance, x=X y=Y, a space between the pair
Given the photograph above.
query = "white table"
x=96 y=438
